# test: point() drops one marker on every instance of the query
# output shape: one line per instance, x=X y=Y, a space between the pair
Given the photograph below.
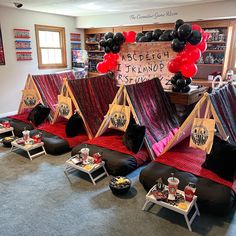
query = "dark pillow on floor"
x=222 y=159
x=38 y=114
x=134 y=137
x=74 y=125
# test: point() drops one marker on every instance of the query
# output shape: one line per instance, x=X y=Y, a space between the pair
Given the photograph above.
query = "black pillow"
x=38 y=114
x=74 y=125
x=134 y=137
x=222 y=159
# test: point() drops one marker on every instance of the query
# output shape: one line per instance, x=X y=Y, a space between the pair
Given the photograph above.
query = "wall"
x=13 y=75
x=216 y=10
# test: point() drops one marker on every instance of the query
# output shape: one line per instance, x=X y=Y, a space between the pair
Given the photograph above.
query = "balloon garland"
x=112 y=44
x=189 y=41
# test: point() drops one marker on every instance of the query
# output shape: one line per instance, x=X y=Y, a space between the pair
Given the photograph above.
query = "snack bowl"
x=120 y=185
x=7 y=141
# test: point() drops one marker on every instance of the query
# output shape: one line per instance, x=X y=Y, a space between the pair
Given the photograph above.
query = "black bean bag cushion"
x=134 y=137
x=53 y=144
x=222 y=159
x=212 y=197
x=74 y=125
x=116 y=163
x=18 y=126
x=38 y=114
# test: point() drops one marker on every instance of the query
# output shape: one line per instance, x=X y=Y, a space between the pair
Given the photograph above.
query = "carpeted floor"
x=37 y=199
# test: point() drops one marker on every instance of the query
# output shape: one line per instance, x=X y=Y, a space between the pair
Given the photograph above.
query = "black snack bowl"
x=120 y=185
x=7 y=141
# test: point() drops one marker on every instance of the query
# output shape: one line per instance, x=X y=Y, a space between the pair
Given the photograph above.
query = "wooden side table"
x=70 y=167
x=151 y=199
x=28 y=148
x=6 y=130
x=185 y=102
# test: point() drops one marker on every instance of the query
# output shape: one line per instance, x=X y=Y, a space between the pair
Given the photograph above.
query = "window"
x=51 y=46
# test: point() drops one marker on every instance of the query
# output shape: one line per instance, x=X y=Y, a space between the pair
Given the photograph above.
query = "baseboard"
x=11 y=113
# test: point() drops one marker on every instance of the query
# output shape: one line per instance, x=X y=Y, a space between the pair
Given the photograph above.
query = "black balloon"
x=175 y=88
x=195 y=37
x=173 y=80
x=138 y=36
x=181 y=83
x=109 y=42
x=149 y=36
x=102 y=43
x=188 y=81
x=178 y=75
x=119 y=38
x=164 y=37
x=173 y=34
x=167 y=34
x=185 y=89
x=156 y=34
x=107 y=49
x=184 y=31
x=177 y=45
x=115 y=48
x=108 y=35
x=143 y=39
x=178 y=23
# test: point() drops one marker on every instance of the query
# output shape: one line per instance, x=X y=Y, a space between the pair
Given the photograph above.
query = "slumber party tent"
x=90 y=98
x=44 y=89
x=150 y=108
x=220 y=105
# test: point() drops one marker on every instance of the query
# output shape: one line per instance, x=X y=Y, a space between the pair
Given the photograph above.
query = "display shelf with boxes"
x=216 y=59
x=95 y=52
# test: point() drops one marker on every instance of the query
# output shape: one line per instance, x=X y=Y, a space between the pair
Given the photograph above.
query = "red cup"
x=6 y=124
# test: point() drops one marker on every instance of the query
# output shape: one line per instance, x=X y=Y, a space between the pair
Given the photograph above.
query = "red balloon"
x=188 y=70
x=173 y=66
x=189 y=47
x=102 y=67
x=112 y=65
x=130 y=38
x=197 y=27
x=107 y=56
x=194 y=55
x=202 y=46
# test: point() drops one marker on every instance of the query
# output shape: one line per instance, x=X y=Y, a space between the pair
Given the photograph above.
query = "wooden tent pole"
x=21 y=101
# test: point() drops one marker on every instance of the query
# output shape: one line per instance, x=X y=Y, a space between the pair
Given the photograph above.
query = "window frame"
x=61 y=31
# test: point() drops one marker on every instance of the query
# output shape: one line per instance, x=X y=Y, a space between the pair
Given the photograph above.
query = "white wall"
x=214 y=10
x=13 y=75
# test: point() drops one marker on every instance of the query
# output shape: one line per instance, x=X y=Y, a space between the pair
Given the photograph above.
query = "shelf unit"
x=75 y=41
x=218 y=47
x=216 y=59
x=95 y=52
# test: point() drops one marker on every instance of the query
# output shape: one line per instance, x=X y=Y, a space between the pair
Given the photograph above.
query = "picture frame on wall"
x=2 y=57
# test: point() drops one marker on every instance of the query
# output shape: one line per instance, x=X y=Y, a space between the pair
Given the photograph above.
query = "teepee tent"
x=90 y=98
x=204 y=108
x=149 y=107
x=44 y=89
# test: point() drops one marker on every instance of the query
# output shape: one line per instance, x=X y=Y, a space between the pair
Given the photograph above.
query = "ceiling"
x=96 y=7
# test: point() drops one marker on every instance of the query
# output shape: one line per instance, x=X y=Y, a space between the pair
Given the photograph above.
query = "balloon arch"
x=189 y=41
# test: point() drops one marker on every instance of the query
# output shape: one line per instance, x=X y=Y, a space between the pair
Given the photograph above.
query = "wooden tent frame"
x=66 y=92
x=30 y=84
x=209 y=111
x=122 y=92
